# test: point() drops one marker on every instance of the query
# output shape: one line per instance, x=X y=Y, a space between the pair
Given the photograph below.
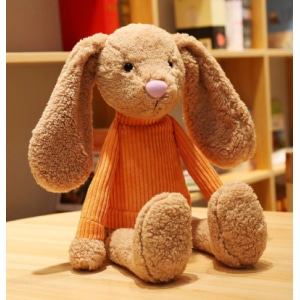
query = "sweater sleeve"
x=196 y=163
x=93 y=215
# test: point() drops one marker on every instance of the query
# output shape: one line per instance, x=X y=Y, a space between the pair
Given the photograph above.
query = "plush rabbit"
x=137 y=211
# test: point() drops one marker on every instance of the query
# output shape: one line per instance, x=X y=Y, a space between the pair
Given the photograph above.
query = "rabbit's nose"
x=156 y=88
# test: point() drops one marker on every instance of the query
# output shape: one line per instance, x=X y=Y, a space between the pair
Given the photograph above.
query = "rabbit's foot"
x=86 y=254
x=162 y=241
x=237 y=227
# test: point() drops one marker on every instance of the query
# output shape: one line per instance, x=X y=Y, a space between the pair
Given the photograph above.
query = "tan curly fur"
x=137 y=211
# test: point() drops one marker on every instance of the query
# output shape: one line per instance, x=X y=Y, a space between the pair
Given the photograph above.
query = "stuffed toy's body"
x=144 y=160
x=137 y=210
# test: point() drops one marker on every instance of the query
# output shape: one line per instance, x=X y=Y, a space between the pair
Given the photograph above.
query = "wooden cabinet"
x=249 y=71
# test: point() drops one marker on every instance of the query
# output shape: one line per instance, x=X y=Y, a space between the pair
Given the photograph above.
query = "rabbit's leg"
x=159 y=247
x=235 y=231
x=200 y=235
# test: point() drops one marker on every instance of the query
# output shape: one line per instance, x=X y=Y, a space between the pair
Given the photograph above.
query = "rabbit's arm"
x=196 y=163
x=95 y=205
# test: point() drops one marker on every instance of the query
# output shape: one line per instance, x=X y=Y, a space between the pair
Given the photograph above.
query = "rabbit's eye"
x=128 y=67
x=170 y=64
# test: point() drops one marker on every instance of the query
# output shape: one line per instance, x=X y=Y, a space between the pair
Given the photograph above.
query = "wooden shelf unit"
x=249 y=71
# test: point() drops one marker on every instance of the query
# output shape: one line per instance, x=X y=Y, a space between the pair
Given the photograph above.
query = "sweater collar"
x=126 y=120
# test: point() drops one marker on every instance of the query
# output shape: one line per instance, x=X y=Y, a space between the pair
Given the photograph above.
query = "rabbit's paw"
x=162 y=240
x=86 y=254
x=237 y=227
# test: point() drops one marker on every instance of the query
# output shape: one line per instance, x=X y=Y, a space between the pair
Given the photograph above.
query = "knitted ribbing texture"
x=140 y=159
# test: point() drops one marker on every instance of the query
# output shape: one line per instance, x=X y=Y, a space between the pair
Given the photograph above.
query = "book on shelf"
x=203 y=19
x=238 y=24
x=281 y=193
x=278 y=124
x=80 y=19
x=284 y=181
x=247 y=23
x=234 y=24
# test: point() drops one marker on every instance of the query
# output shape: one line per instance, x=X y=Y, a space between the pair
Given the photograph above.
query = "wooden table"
x=38 y=267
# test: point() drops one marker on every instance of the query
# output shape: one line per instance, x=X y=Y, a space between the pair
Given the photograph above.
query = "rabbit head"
x=140 y=73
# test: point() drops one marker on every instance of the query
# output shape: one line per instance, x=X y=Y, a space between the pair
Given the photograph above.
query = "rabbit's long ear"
x=60 y=149
x=216 y=119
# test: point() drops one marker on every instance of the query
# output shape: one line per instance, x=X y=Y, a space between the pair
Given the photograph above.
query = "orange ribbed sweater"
x=139 y=159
